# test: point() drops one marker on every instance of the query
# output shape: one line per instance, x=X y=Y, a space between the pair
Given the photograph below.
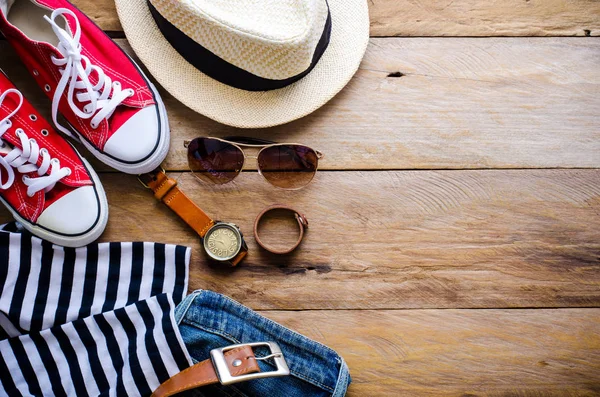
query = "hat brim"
x=246 y=109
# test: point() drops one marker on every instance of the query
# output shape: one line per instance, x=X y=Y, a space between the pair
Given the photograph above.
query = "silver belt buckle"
x=225 y=377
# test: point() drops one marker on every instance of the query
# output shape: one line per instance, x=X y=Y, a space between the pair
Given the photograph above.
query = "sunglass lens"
x=215 y=161
x=288 y=166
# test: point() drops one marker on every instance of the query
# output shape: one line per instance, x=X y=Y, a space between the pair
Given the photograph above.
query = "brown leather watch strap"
x=302 y=223
x=240 y=361
x=165 y=189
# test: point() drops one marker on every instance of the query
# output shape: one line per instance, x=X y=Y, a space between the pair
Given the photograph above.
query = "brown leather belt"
x=227 y=365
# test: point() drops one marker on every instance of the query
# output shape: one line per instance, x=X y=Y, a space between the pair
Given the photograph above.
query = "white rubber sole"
x=66 y=241
x=152 y=162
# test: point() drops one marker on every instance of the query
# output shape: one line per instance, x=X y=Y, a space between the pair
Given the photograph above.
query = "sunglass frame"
x=263 y=147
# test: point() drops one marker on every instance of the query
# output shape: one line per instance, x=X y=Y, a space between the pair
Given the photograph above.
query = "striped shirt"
x=97 y=320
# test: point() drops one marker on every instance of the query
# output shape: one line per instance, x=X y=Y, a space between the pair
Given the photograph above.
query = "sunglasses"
x=284 y=165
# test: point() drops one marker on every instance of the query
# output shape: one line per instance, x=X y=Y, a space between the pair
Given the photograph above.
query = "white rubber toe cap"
x=75 y=213
x=137 y=138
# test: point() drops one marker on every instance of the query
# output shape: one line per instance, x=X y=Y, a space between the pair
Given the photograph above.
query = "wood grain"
x=461 y=352
x=447 y=17
x=484 y=18
x=388 y=240
x=460 y=103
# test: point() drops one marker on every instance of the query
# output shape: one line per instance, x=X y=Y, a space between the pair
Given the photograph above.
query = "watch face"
x=223 y=241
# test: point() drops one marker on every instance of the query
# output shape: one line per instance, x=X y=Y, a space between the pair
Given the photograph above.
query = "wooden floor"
x=454 y=242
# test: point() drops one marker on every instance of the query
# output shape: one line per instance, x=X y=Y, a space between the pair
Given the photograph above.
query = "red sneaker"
x=44 y=182
x=108 y=102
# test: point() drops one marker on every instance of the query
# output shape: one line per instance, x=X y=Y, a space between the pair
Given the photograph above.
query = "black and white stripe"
x=91 y=321
x=45 y=285
x=126 y=351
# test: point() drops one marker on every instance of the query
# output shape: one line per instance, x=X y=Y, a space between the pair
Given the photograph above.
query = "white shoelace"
x=75 y=68
x=25 y=161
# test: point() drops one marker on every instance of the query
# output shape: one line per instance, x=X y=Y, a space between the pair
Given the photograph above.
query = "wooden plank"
x=461 y=352
x=387 y=240
x=447 y=17
x=461 y=103
x=102 y=12
x=484 y=18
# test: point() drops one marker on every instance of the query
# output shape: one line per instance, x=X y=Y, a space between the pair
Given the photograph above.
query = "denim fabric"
x=208 y=320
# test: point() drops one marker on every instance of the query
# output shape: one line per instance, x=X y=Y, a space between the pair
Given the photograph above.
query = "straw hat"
x=248 y=63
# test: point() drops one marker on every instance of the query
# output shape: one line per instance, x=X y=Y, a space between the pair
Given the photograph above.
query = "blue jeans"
x=208 y=320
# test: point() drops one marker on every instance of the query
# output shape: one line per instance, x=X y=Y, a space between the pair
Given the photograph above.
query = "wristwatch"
x=222 y=241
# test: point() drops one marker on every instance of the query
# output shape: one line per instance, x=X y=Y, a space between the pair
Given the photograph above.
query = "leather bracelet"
x=302 y=223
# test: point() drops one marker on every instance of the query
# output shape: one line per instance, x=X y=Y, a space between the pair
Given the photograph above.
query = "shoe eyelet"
x=19 y=131
x=45 y=132
x=32 y=117
x=131 y=92
x=43 y=150
x=69 y=172
x=25 y=178
x=9 y=123
x=35 y=72
x=47 y=88
x=94 y=125
x=54 y=161
x=32 y=140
